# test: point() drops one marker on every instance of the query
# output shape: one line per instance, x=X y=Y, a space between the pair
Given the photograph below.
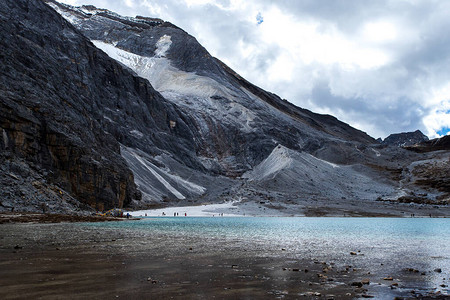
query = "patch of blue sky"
x=259 y=18
x=443 y=131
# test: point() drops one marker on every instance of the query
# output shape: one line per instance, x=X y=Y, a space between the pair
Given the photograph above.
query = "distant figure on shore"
x=145 y=214
x=174 y=214
x=185 y=214
x=177 y=214
x=44 y=207
x=128 y=215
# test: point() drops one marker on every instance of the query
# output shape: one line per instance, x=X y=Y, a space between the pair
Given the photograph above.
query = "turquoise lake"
x=385 y=246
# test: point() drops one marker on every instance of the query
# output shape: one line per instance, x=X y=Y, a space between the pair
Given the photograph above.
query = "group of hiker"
x=175 y=214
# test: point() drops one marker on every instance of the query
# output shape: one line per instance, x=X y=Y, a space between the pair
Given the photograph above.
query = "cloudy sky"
x=382 y=66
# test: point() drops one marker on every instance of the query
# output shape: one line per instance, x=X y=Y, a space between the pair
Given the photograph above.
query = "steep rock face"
x=235 y=127
x=153 y=108
x=65 y=106
x=405 y=139
x=238 y=124
x=434 y=170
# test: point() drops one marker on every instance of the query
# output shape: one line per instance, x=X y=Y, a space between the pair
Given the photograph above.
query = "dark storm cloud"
x=399 y=114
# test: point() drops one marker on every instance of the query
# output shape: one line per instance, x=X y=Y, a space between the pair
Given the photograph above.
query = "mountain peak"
x=116 y=111
x=404 y=139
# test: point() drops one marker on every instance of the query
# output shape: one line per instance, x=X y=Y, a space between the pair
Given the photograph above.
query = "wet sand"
x=75 y=261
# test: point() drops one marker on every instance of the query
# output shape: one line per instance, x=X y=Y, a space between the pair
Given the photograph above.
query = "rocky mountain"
x=109 y=111
x=57 y=90
x=437 y=144
x=405 y=138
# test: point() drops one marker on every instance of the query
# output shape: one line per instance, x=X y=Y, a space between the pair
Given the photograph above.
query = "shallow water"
x=384 y=246
x=232 y=258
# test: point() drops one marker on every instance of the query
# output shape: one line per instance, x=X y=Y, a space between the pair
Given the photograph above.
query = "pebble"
x=438 y=270
x=412 y=270
x=352 y=253
x=152 y=280
x=388 y=278
x=357 y=283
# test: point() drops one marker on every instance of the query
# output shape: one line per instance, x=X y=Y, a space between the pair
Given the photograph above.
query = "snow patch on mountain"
x=70 y=17
x=161 y=74
x=162 y=46
x=185 y=89
x=149 y=166
x=194 y=188
x=156 y=182
x=278 y=160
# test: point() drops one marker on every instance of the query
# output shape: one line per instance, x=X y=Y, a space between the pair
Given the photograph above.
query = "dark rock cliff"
x=405 y=138
x=65 y=106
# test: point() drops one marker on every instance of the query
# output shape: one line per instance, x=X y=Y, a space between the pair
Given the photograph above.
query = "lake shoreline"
x=113 y=260
x=27 y=217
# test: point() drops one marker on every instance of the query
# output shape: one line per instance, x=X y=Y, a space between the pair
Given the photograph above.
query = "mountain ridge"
x=145 y=116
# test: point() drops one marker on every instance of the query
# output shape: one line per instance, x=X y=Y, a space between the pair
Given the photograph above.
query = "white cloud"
x=379 y=32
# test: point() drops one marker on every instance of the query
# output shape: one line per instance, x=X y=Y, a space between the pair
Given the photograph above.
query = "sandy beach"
x=242 y=208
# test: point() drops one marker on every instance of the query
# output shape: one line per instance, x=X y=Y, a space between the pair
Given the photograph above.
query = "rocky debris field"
x=24 y=188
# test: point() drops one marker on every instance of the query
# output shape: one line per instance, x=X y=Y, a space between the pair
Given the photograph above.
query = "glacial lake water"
x=384 y=246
